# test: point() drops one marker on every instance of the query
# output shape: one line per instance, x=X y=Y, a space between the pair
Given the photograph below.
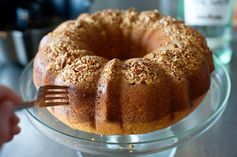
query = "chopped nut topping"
x=71 y=55
x=140 y=71
x=82 y=69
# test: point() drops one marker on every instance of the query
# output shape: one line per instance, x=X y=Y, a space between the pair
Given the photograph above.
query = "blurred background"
x=24 y=22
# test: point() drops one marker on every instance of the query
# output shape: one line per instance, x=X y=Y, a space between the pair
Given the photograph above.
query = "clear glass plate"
x=162 y=140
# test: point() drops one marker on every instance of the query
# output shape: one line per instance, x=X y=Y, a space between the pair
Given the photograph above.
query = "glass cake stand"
x=161 y=143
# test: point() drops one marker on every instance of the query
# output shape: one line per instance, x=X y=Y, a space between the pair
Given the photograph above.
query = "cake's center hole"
x=117 y=45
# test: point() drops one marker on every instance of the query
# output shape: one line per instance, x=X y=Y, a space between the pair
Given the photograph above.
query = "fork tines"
x=52 y=95
x=54 y=87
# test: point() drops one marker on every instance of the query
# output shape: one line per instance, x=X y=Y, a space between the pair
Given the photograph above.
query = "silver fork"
x=49 y=95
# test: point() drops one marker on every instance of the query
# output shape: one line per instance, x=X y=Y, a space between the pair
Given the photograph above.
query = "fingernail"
x=15 y=130
x=9 y=138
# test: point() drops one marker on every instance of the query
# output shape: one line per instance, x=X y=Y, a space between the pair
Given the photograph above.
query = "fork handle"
x=26 y=104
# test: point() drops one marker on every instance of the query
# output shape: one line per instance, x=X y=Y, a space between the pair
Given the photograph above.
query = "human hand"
x=8 y=119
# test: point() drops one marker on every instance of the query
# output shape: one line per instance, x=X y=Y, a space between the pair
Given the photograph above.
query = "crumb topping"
x=84 y=69
x=70 y=54
x=140 y=71
x=183 y=53
x=112 y=69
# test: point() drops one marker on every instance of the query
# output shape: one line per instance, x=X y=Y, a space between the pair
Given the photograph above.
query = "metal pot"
x=18 y=46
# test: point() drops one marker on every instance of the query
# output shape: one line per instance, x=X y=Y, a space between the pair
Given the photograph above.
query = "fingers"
x=8 y=119
x=8 y=94
x=9 y=138
x=14 y=129
x=14 y=121
x=5 y=114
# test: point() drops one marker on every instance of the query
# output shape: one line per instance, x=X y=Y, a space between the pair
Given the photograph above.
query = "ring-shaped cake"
x=128 y=72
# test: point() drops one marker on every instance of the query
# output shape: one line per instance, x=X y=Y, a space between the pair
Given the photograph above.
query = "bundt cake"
x=128 y=72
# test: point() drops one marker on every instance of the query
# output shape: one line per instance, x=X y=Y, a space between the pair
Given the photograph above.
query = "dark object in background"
x=31 y=15
x=24 y=22
x=69 y=9
x=7 y=13
x=23 y=14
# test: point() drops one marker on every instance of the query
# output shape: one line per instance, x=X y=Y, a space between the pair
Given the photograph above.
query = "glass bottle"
x=212 y=18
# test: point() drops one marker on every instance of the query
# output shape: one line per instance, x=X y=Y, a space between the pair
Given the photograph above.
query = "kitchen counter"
x=219 y=141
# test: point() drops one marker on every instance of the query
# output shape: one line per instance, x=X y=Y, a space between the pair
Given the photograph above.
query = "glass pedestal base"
x=167 y=153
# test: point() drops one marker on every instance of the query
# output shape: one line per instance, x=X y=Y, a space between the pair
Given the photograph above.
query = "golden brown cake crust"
x=130 y=128
x=127 y=71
